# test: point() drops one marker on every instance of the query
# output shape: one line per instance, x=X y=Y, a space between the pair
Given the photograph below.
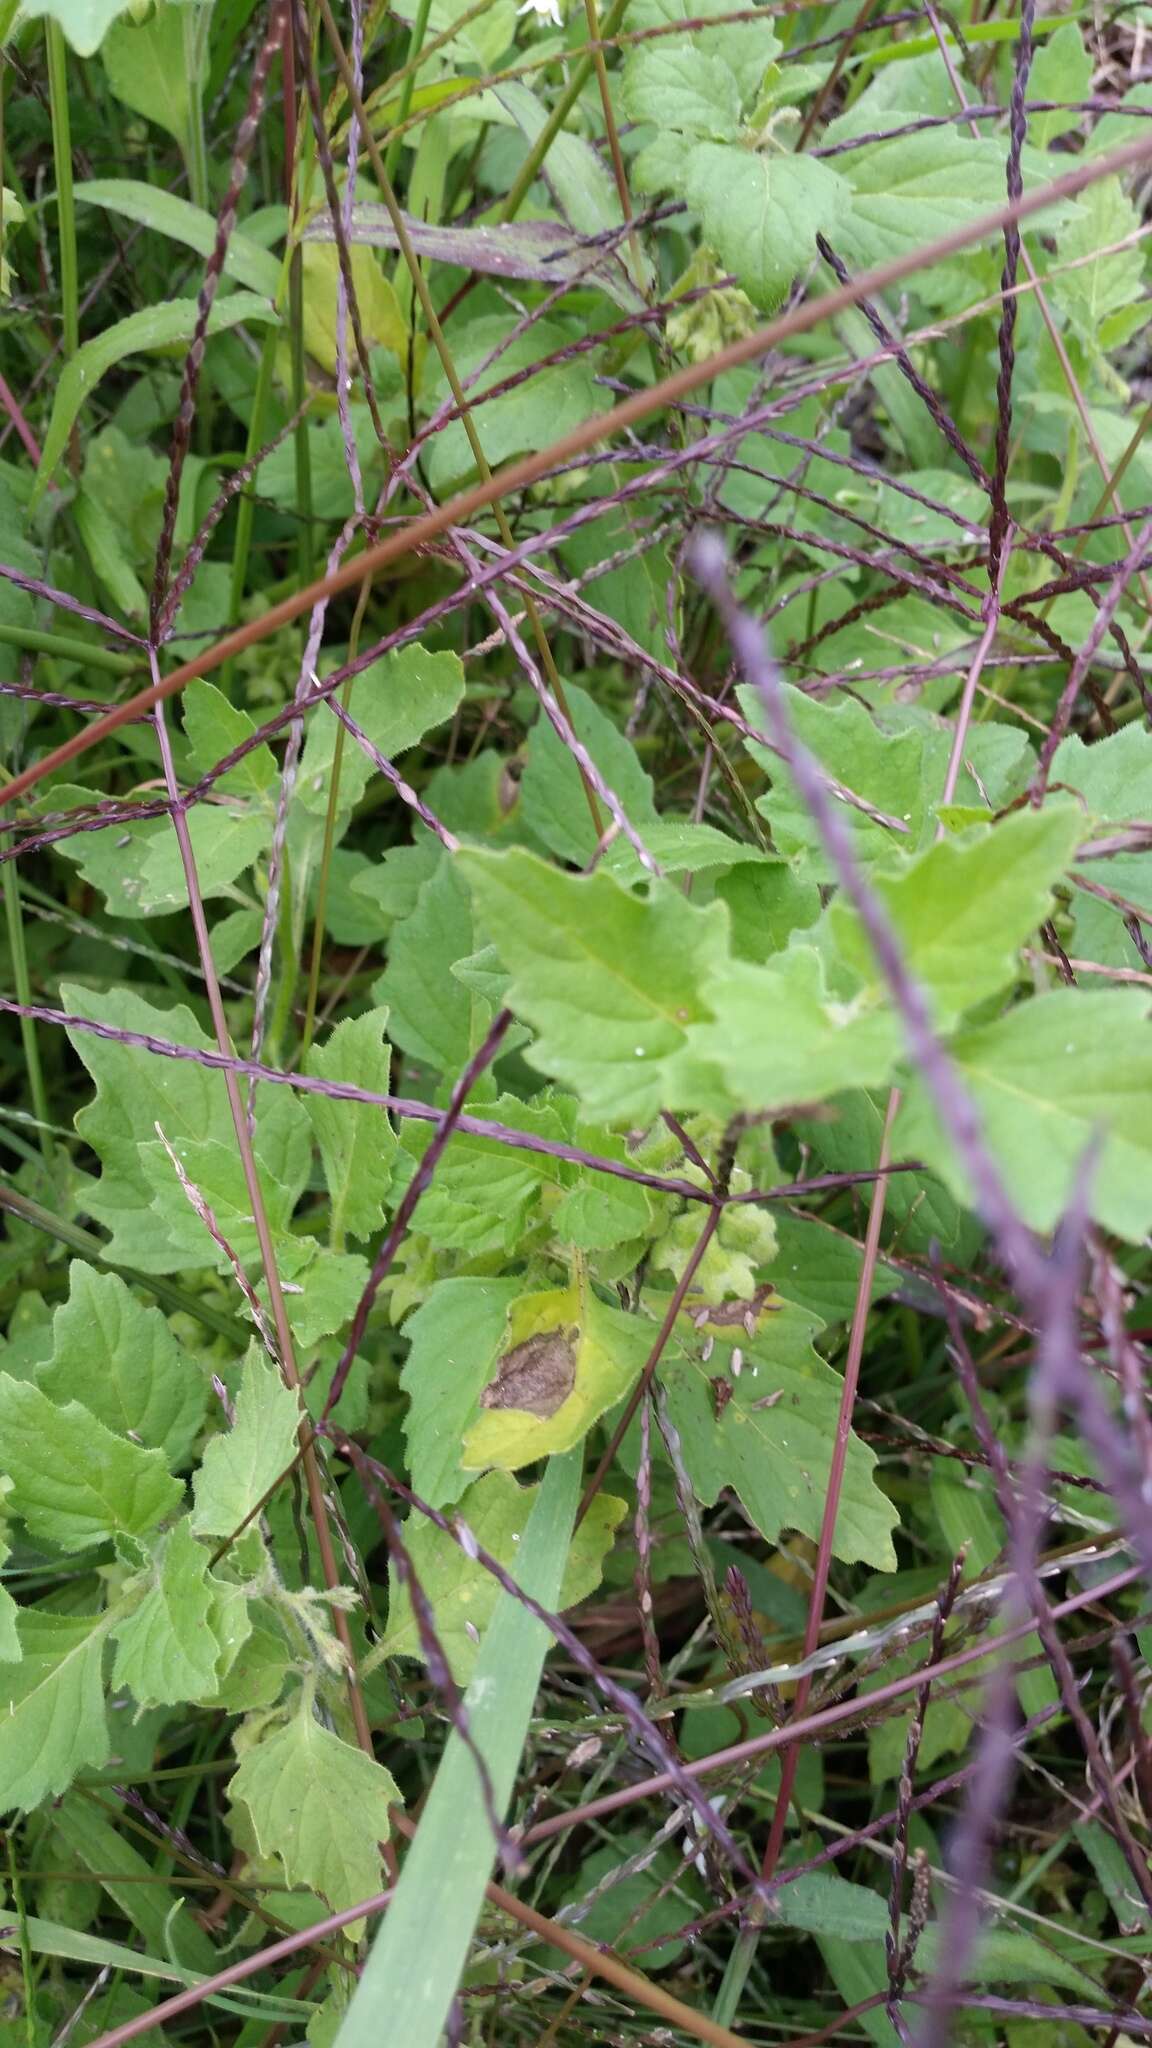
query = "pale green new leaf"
x=762 y=212
x=52 y=1719
x=320 y=1807
x=122 y=1362
x=356 y=1140
x=180 y=221
x=394 y=702
x=174 y=320
x=73 y=1482
x=776 y=1452
x=1048 y=1079
x=611 y=982
x=242 y=1463
x=169 y=1648
x=462 y=1594
x=963 y=909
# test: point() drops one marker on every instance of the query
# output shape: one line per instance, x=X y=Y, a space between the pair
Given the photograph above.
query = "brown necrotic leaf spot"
x=536 y=1376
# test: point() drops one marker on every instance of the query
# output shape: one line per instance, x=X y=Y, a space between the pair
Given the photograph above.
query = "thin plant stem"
x=14 y=918
x=529 y=170
x=408 y=82
x=65 y=206
x=331 y=810
x=448 y=365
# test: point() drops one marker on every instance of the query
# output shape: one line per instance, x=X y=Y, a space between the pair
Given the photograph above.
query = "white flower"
x=545 y=10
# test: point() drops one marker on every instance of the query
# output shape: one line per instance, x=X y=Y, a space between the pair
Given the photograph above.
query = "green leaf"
x=156 y=327
x=1101 y=294
x=147 y=67
x=433 y=1015
x=169 y=1648
x=674 y=85
x=912 y=190
x=213 y=727
x=1061 y=70
x=895 y=759
x=454 y=1341
x=139 y=868
x=73 y=1482
x=679 y=848
x=1113 y=777
x=462 y=1594
x=167 y=214
x=610 y=981
x=548 y=403
x=122 y=1362
x=963 y=909
x=636 y=1911
x=356 y=1140
x=782 y=1038
x=487 y=1196
x=52 y=1720
x=1047 y=1079
x=776 y=1452
x=564 y=1358
x=552 y=803
x=763 y=212
x=138 y=1197
x=823 y=1904
x=242 y=1463
x=84 y=22
x=395 y=702
x=319 y=1806
x=409 y=1980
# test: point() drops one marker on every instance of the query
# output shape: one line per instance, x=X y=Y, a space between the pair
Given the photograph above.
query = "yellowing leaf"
x=564 y=1359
